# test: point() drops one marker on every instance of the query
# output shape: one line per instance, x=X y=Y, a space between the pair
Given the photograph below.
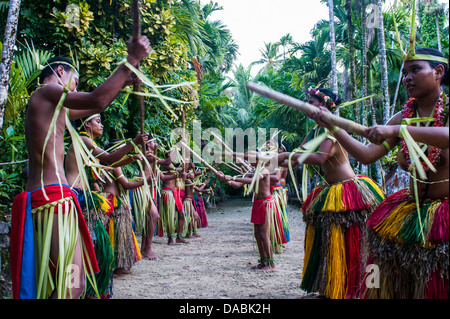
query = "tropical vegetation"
x=356 y=54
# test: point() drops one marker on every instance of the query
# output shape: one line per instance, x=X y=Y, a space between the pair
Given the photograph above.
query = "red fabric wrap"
x=54 y=193
x=17 y=232
x=176 y=195
x=259 y=212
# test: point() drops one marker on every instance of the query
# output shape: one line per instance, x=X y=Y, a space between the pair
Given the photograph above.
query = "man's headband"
x=87 y=120
x=61 y=62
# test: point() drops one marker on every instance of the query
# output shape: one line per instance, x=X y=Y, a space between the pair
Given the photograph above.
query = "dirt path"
x=218 y=264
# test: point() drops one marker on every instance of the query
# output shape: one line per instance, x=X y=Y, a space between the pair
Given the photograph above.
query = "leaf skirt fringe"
x=280 y=196
x=168 y=216
x=126 y=250
x=200 y=204
x=335 y=217
x=97 y=219
x=410 y=247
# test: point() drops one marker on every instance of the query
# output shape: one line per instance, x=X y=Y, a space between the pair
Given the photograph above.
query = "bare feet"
x=121 y=271
x=278 y=249
x=196 y=235
x=150 y=256
x=181 y=241
x=171 y=242
x=262 y=263
x=258 y=266
x=268 y=267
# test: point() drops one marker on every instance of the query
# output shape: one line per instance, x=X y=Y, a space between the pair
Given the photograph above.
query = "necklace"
x=82 y=133
x=438 y=115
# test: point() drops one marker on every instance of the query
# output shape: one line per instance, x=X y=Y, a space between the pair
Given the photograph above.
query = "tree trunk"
x=397 y=89
x=365 y=104
x=7 y=54
x=438 y=32
x=365 y=109
x=333 y=80
x=351 y=51
x=383 y=63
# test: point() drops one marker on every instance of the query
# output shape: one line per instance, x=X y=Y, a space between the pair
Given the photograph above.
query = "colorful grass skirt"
x=409 y=249
x=335 y=217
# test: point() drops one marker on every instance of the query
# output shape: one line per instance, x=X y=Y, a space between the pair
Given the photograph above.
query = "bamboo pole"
x=136 y=33
x=183 y=139
x=307 y=108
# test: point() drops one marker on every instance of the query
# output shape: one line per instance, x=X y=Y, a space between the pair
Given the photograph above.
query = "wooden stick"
x=233 y=168
x=199 y=158
x=183 y=139
x=156 y=159
x=307 y=108
x=136 y=33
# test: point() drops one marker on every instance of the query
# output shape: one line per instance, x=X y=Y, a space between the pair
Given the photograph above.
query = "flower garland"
x=409 y=112
x=328 y=101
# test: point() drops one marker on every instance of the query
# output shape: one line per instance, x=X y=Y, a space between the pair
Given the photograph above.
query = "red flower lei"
x=409 y=111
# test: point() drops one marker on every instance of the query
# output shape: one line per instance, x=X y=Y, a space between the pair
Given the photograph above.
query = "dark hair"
x=430 y=51
x=79 y=123
x=285 y=145
x=52 y=64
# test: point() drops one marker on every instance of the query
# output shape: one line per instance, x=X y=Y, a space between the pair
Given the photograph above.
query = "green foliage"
x=11 y=179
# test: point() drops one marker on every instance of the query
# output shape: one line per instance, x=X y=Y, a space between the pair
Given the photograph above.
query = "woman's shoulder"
x=396 y=119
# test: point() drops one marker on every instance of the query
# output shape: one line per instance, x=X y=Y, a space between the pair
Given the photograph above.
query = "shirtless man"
x=152 y=215
x=189 y=203
x=46 y=165
x=263 y=207
x=170 y=196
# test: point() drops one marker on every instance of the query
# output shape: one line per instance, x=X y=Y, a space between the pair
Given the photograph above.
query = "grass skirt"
x=34 y=273
x=126 y=249
x=188 y=209
x=200 y=205
x=335 y=217
x=266 y=211
x=409 y=249
x=95 y=211
x=280 y=196
x=168 y=215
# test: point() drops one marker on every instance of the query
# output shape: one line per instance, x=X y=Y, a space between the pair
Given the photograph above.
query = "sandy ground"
x=218 y=264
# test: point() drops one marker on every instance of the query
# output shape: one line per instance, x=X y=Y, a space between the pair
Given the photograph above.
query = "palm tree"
x=7 y=54
x=269 y=56
x=383 y=63
x=284 y=42
x=435 y=9
x=334 y=82
x=351 y=54
x=313 y=67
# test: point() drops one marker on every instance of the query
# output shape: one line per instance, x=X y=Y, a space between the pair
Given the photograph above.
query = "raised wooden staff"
x=136 y=33
x=307 y=108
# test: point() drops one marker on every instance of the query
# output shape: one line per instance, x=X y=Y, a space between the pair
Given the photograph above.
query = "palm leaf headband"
x=87 y=120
